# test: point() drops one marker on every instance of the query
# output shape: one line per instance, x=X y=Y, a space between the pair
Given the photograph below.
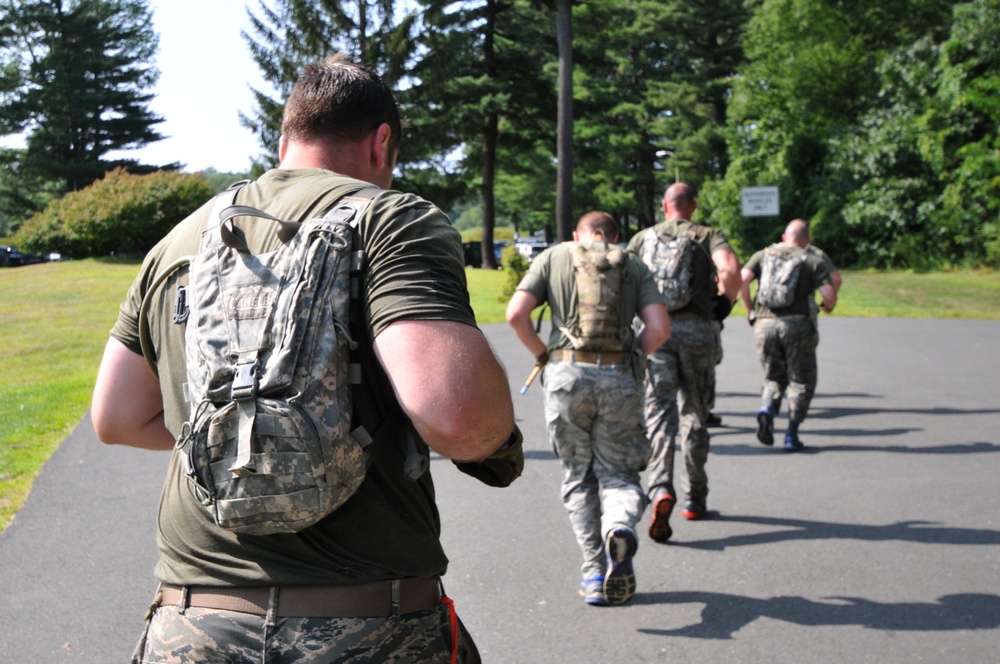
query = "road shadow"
x=812 y=447
x=723 y=615
x=785 y=530
x=753 y=447
x=820 y=411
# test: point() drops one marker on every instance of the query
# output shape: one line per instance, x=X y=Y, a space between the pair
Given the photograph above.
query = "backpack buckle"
x=245 y=382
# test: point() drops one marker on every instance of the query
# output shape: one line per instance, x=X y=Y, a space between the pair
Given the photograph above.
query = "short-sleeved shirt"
x=551 y=278
x=814 y=273
x=827 y=261
x=704 y=283
x=390 y=528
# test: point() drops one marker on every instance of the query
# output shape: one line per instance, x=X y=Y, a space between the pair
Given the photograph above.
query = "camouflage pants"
x=787 y=349
x=594 y=419
x=680 y=380
x=200 y=636
x=718 y=360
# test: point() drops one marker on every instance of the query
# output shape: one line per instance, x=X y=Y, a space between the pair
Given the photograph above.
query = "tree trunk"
x=490 y=132
x=564 y=124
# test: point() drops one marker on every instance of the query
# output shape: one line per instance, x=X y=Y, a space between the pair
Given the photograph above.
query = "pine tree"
x=287 y=35
x=76 y=76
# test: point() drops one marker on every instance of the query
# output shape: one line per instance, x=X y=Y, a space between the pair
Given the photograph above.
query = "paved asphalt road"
x=879 y=543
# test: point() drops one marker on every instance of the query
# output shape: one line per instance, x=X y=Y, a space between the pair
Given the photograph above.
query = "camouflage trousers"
x=594 y=419
x=679 y=385
x=200 y=636
x=718 y=360
x=787 y=349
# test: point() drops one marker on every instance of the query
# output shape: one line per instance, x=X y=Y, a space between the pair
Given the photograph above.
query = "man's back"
x=186 y=531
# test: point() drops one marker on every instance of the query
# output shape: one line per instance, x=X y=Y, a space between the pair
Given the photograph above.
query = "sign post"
x=759 y=201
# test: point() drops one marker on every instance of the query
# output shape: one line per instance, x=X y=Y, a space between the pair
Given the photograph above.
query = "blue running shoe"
x=592 y=590
x=792 y=443
x=619 y=582
x=765 y=426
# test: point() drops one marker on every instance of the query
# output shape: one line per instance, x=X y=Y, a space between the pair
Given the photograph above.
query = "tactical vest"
x=598 y=269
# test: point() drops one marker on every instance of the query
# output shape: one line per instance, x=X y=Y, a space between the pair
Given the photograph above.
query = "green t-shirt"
x=814 y=273
x=827 y=261
x=704 y=282
x=390 y=528
x=551 y=279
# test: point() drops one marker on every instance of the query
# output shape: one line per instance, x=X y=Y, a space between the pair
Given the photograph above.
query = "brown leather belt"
x=585 y=357
x=363 y=600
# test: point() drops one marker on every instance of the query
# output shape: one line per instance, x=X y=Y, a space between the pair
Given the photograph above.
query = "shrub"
x=514 y=265
x=121 y=213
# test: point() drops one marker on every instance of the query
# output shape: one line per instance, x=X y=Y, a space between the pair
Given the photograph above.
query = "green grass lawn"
x=56 y=319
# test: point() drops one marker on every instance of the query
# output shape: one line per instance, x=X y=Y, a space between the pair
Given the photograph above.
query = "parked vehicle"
x=531 y=249
x=473 y=254
x=11 y=256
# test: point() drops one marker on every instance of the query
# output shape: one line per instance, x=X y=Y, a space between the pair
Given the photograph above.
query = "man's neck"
x=343 y=157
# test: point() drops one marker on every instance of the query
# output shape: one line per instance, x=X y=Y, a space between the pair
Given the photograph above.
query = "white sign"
x=759 y=201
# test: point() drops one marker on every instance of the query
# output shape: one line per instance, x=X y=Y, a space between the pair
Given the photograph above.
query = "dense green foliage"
x=76 y=78
x=21 y=193
x=878 y=122
x=121 y=213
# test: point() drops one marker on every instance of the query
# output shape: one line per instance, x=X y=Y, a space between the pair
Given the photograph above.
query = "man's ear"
x=381 y=151
x=282 y=148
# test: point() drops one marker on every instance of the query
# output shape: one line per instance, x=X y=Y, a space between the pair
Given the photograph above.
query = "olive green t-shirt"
x=827 y=261
x=551 y=278
x=704 y=282
x=390 y=528
x=814 y=273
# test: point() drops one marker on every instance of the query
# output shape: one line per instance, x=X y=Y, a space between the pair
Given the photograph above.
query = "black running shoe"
x=619 y=581
x=693 y=509
x=765 y=426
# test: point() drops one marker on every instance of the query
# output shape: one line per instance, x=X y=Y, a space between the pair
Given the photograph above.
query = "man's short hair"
x=337 y=98
x=593 y=222
x=680 y=196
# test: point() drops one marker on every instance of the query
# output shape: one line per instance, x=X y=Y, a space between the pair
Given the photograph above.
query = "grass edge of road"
x=56 y=318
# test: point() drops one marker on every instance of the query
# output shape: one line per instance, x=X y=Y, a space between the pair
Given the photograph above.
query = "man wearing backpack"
x=362 y=584
x=788 y=277
x=699 y=275
x=593 y=390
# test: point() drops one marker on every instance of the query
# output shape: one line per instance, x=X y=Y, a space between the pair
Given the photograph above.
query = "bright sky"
x=205 y=78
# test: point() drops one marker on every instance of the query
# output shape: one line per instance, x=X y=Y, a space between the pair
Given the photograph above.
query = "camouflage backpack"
x=598 y=270
x=269 y=445
x=779 y=275
x=671 y=260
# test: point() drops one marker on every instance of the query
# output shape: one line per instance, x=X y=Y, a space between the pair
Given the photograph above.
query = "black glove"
x=501 y=468
x=721 y=306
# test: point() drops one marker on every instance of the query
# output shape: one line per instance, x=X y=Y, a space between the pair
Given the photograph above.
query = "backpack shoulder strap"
x=220 y=202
